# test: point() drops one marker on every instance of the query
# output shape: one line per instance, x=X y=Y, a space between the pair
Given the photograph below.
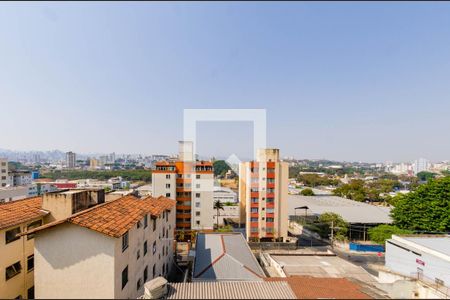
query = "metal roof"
x=435 y=244
x=231 y=290
x=351 y=211
x=225 y=256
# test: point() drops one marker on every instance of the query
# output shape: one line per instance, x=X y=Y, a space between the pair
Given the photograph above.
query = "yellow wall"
x=18 y=250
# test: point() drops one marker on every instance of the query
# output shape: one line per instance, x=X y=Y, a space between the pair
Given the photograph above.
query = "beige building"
x=190 y=183
x=108 y=251
x=263 y=192
x=4 y=178
x=16 y=251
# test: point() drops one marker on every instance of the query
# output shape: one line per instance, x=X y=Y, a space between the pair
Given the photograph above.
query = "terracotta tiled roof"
x=116 y=217
x=306 y=287
x=19 y=211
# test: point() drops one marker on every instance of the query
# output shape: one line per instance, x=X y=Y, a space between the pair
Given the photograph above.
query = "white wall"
x=73 y=262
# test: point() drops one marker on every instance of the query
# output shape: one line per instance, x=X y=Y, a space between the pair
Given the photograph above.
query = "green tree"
x=326 y=220
x=220 y=167
x=425 y=176
x=426 y=209
x=381 y=233
x=307 y=192
x=354 y=190
x=218 y=206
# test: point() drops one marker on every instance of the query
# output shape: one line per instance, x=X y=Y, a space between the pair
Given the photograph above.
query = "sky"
x=351 y=81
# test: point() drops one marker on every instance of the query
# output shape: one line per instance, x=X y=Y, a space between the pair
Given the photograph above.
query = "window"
x=197 y=186
x=32 y=226
x=138 y=255
x=253 y=219
x=138 y=284
x=145 y=248
x=154 y=224
x=139 y=224
x=197 y=222
x=269 y=230
x=254 y=210
x=167 y=185
x=164 y=269
x=168 y=195
x=124 y=241
x=270 y=210
x=253 y=229
x=154 y=247
x=145 y=274
x=197 y=204
x=167 y=233
x=154 y=271
x=11 y=235
x=167 y=176
x=269 y=219
x=167 y=216
x=30 y=293
x=197 y=213
x=197 y=176
x=145 y=221
x=30 y=262
x=197 y=195
x=19 y=297
x=124 y=277
x=164 y=231
x=13 y=270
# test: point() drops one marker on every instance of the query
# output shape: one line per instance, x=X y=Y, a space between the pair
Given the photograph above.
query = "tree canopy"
x=220 y=167
x=381 y=233
x=339 y=225
x=131 y=175
x=307 y=192
x=425 y=176
x=425 y=209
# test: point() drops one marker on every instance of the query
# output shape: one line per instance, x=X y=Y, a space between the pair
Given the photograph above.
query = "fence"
x=435 y=283
x=272 y=246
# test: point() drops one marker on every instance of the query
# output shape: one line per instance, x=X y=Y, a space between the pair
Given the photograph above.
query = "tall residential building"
x=70 y=160
x=17 y=263
x=190 y=183
x=263 y=192
x=106 y=252
x=4 y=178
x=421 y=165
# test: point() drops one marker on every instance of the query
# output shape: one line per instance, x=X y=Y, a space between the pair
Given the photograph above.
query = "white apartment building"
x=108 y=251
x=421 y=165
x=8 y=194
x=19 y=178
x=190 y=183
x=224 y=194
x=4 y=179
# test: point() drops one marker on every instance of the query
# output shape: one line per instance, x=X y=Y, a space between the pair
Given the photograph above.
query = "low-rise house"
x=224 y=257
x=107 y=251
x=16 y=251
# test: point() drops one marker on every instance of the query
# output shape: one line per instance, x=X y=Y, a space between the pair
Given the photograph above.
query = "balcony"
x=255 y=205
x=270 y=175
x=270 y=195
x=183 y=225
x=254 y=194
x=271 y=165
x=183 y=207
x=270 y=185
x=253 y=224
x=183 y=216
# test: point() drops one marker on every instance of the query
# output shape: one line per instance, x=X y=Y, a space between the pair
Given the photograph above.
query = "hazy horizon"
x=346 y=81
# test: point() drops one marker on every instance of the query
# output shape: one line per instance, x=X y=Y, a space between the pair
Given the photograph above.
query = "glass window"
x=138 y=284
x=145 y=274
x=168 y=195
x=197 y=176
x=125 y=241
x=31 y=226
x=138 y=255
x=13 y=270
x=145 y=248
x=124 y=277
x=145 y=221
x=154 y=270
x=30 y=262
x=11 y=235
x=154 y=224
x=154 y=247
x=30 y=293
x=167 y=176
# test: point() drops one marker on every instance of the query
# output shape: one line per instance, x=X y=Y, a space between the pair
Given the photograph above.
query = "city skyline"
x=342 y=81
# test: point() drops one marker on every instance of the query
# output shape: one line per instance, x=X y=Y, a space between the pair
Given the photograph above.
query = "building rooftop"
x=306 y=287
x=351 y=211
x=225 y=256
x=431 y=243
x=231 y=290
x=19 y=211
x=116 y=217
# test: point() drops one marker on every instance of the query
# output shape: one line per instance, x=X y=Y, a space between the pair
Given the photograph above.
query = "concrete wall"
x=137 y=237
x=228 y=212
x=18 y=250
x=206 y=199
x=409 y=263
x=159 y=182
x=74 y=262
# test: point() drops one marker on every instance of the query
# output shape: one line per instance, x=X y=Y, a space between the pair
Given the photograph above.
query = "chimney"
x=156 y=288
